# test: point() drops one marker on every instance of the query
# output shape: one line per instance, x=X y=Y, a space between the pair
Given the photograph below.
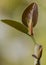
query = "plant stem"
x=33 y=39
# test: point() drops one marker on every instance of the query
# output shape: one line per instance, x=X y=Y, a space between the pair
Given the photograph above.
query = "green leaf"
x=16 y=25
x=19 y=27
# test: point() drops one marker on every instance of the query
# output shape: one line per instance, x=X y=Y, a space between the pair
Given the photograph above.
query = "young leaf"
x=16 y=25
x=30 y=16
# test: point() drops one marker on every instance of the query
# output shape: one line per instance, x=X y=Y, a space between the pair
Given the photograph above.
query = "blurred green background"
x=16 y=47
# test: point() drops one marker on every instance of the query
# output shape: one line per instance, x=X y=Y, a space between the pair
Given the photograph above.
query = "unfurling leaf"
x=30 y=16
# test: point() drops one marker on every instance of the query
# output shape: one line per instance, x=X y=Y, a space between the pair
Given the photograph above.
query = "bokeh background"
x=16 y=48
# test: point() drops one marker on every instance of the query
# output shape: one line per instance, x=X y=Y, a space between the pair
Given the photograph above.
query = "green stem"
x=33 y=39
